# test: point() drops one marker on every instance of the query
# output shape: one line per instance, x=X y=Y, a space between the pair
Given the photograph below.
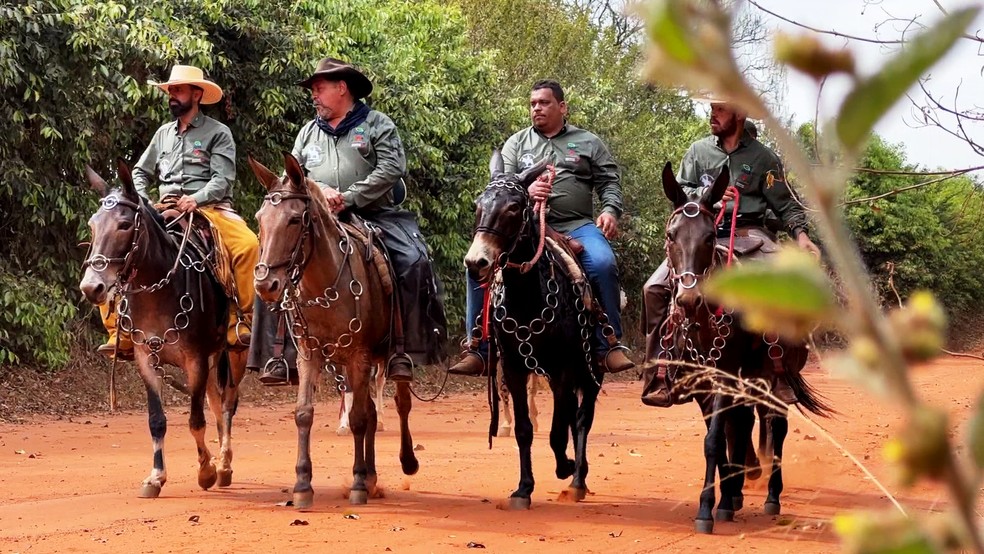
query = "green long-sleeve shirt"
x=364 y=164
x=200 y=163
x=756 y=172
x=584 y=166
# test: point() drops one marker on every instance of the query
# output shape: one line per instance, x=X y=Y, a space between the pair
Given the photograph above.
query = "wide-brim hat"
x=191 y=75
x=708 y=98
x=336 y=70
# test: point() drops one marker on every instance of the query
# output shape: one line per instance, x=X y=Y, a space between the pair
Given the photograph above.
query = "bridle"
x=687 y=279
x=298 y=257
x=528 y=212
x=99 y=262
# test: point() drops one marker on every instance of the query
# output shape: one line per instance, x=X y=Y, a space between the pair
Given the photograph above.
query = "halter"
x=99 y=262
x=690 y=210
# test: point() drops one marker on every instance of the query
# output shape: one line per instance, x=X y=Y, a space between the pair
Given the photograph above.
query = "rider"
x=583 y=166
x=355 y=155
x=193 y=160
x=757 y=173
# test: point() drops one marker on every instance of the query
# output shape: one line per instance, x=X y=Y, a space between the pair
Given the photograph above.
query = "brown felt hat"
x=336 y=70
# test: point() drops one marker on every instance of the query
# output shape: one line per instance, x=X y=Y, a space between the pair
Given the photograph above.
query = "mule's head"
x=285 y=221
x=501 y=215
x=113 y=231
x=691 y=236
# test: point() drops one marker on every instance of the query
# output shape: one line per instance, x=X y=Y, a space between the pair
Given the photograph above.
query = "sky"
x=928 y=147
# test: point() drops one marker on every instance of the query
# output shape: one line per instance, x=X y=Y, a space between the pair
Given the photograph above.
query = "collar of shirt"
x=744 y=141
x=195 y=122
x=559 y=133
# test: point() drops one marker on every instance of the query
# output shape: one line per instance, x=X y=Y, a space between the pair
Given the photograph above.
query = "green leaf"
x=871 y=98
x=666 y=28
x=789 y=293
x=975 y=440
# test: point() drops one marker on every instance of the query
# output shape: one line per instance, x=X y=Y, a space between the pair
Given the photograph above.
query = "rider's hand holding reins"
x=335 y=199
x=187 y=204
x=540 y=189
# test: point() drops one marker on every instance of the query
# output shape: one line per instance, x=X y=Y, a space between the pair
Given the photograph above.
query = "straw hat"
x=336 y=70
x=190 y=75
x=707 y=97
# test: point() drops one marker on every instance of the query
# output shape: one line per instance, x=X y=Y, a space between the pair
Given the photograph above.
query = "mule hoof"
x=207 y=477
x=519 y=503
x=410 y=467
x=724 y=515
x=704 y=526
x=565 y=470
x=738 y=502
x=771 y=508
x=575 y=494
x=358 y=498
x=225 y=478
x=148 y=490
x=504 y=432
x=304 y=499
x=342 y=431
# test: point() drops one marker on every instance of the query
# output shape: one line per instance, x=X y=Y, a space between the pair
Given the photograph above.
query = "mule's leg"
x=380 y=389
x=778 y=426
x=585 y=419
x=198 y=376
x=714 y=449
x=564 y=414
x=408 y=460
x=304 y=418
x=230 y=403
x=358 y=380
x=372 y=425
x=516 y=382
x=151 y=486
x=344 y=411
x=505 y=428
x=740 y=421
x=214 y=396
x=532 y=386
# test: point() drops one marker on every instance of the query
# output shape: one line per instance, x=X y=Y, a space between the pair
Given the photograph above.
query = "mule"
x=743 y=363
x=339 y=311
x=176 y=313
x=540 y=325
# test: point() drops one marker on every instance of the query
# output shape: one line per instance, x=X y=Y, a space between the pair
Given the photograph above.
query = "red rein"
x=734 y=221
x=540 y=208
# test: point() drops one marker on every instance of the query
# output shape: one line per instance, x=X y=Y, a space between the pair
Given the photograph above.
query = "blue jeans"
x=598 y=261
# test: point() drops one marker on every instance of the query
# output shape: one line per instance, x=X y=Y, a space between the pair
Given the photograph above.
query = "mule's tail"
x=224 y=370
x=809 y=398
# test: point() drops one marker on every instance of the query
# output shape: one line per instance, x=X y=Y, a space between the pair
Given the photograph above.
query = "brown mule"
x=176 y=313
x=339 y=313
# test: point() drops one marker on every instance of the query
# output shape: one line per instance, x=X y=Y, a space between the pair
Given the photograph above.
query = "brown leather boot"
x=656 y=393
x=109 y=350
x=471 y=364
x=615 y=360
x=399 y=368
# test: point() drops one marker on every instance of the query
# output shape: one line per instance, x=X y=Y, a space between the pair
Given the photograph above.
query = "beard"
x=178 y=108
x=724 y=128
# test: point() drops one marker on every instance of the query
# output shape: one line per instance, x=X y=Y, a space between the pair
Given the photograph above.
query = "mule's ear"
x=126 y=177
x=294 y=171
x=714 y=194
x=496 y=165
x=672 y=188
x=96 y=182
x=527 y=176
x=266 y=177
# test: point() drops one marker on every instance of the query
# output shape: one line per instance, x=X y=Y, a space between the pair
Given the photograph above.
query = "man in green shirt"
x=584 y=168
x=192 y=160
x=757 y=173
x=355 y=155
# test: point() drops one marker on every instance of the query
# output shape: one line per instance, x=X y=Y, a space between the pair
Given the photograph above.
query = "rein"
x=539 y=208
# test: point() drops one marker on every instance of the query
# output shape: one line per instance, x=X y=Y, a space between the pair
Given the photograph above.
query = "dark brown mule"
x=176 y=314
x=339 y=313
x=699 y=333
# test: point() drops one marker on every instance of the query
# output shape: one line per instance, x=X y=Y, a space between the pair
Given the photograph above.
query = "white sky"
x=929 y=147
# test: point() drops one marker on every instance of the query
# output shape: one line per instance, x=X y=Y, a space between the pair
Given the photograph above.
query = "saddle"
x=748 y=242
x=204 y=243
x=371 y=244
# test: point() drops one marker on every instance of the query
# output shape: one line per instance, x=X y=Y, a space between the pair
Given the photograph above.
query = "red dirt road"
x=78 y=493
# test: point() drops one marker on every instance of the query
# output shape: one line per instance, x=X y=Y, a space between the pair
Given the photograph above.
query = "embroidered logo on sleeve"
x=526 y=161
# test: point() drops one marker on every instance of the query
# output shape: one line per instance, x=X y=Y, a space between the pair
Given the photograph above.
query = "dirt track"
x=77 y=493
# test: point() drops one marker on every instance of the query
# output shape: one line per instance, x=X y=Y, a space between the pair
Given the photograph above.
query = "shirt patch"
x=358 y=141
x=360 y=130
x=572 y=156
x=313 y=155
x=745 y=178
x=526 y=161
x=746 y=167
x=771 y=178
x=198 y=144
x=706 y=180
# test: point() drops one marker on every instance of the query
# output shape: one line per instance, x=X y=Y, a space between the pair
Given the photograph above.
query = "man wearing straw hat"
x=193 y=161
x=355 y=155
x=757 y=173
